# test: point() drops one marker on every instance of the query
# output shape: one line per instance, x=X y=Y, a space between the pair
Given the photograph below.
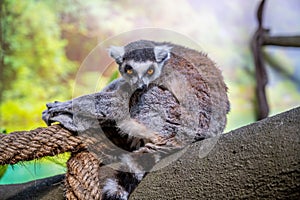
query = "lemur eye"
x=128 y=69
x=150 y=71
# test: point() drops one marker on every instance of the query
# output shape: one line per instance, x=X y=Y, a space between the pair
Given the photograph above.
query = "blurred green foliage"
x=35 y=68
x=3 y=168
x=42 y=46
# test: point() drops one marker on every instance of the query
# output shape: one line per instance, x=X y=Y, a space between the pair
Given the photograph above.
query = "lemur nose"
x=142 y=87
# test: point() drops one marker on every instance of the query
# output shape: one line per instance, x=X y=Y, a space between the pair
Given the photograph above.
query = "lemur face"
x=140 y=64
x=140 y=74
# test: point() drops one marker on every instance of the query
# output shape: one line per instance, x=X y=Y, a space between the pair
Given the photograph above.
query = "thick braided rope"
x=82 y=179
x=37 y=143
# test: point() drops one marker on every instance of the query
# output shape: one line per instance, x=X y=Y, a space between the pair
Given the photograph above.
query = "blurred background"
x=44 y=44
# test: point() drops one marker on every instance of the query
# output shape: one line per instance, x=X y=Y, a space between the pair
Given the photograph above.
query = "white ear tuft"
x=162 y=53
x=117 y=53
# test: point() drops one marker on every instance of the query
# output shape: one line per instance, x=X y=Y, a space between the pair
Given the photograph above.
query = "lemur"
x=168 y=97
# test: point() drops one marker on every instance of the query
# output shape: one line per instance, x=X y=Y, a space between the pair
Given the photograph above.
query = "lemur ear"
x=117 y=53
x=162 y=53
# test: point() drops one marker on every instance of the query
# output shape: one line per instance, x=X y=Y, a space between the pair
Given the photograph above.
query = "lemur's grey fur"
x=168 y=97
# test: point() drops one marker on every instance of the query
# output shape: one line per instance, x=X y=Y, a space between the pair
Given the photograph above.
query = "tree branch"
x=285 y=41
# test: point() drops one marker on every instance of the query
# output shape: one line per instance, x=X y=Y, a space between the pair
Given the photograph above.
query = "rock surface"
x=258 y=161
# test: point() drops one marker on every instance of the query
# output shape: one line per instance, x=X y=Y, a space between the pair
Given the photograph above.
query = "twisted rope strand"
x=82 y=179
x=40 y=142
